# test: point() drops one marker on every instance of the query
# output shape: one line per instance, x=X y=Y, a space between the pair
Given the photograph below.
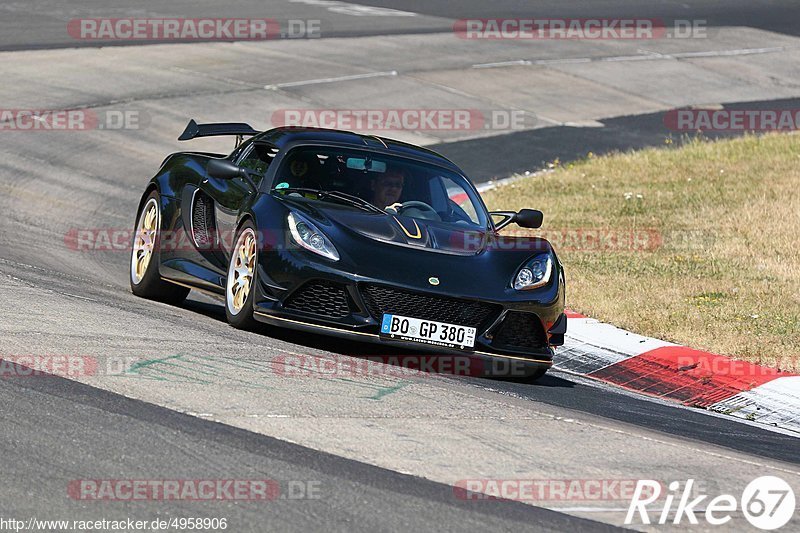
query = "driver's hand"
x=394 y=208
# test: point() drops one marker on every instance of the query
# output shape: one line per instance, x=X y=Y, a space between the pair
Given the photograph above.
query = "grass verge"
x=697 y=244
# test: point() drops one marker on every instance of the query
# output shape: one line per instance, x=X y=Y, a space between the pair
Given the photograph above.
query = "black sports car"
x=350 y=235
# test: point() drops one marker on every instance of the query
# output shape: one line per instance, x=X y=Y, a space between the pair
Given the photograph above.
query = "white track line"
x=330 y=80
x=646 y=55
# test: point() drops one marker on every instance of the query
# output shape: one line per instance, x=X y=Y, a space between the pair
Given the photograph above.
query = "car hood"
x=416 y=233
x=413 y=232
x=393 y=229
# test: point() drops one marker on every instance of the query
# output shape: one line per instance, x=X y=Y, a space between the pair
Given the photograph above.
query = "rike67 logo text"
x=768 y=503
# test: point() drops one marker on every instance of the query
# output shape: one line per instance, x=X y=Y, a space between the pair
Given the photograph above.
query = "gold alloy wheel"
x=240 y=271
x=144 y=240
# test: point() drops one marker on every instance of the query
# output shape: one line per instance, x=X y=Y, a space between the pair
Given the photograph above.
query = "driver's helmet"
x=303 y=170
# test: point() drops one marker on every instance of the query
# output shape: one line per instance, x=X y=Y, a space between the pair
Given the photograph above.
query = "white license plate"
x=427 y=332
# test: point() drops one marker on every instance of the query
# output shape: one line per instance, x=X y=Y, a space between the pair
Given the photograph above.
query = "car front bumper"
x=513 y=327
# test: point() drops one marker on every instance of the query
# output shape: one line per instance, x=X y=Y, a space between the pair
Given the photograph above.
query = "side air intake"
x=203 y=221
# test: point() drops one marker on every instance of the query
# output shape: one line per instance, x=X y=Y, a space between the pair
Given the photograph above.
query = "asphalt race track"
x=349 y=493
x=40 y=23
x=206 y=401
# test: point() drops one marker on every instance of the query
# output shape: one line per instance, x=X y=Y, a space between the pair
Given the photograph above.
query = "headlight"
x=309 y=237
x=534 y=273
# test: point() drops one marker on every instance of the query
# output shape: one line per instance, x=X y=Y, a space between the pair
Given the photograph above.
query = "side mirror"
x=223 y=169
x=526 y=218
x=529 y=218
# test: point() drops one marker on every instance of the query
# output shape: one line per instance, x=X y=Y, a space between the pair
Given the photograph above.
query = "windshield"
x=365 y=180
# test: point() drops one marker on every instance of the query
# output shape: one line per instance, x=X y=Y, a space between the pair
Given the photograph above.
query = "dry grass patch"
x=723 y=273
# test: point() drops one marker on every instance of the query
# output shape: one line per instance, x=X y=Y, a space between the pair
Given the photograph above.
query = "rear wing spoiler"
x=239 y=129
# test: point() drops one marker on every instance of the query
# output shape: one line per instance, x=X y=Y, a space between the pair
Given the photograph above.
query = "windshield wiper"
x=354 y=200
x=336 y=195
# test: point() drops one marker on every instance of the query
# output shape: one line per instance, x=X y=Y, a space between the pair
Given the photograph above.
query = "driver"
x=304 y=170
x=388 y=187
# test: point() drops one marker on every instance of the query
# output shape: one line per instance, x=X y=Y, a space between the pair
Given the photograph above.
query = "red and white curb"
x=678 y=373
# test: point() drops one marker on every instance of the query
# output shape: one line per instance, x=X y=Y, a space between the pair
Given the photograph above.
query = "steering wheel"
x=427 y=210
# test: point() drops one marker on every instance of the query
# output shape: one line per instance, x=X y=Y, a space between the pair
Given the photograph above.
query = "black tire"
x=149 y=283
x=241 y=318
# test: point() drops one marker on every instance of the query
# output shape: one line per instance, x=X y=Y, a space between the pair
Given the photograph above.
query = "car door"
x=216 y=202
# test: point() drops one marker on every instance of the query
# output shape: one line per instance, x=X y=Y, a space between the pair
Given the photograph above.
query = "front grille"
x=520 y=331
x=380 y=300
x=320 y=298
